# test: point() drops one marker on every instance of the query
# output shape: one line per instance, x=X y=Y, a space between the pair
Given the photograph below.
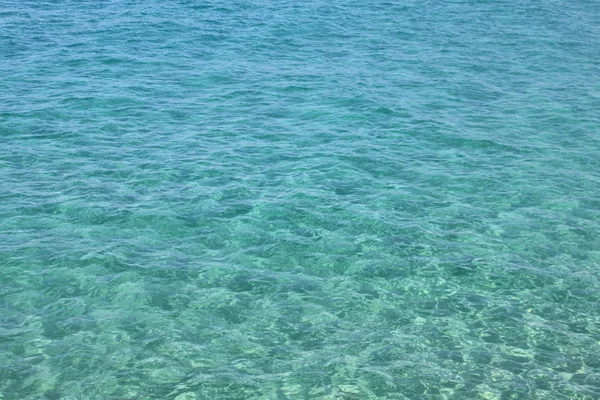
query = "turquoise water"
x=299 y=200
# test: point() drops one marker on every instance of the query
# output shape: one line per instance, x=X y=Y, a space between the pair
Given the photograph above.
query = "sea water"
x=299 y=199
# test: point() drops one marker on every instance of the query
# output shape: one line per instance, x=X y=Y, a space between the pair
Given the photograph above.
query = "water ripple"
x=340 y=200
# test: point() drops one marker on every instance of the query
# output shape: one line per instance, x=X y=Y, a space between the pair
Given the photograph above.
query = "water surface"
x=299 y=200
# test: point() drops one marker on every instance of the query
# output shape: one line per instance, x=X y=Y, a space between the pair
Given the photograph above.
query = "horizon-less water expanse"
x=299 y=199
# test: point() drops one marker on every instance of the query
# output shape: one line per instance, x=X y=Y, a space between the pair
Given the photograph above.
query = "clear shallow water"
x=299 y=200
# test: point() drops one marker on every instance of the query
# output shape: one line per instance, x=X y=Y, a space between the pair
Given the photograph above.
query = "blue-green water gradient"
x=299 y=199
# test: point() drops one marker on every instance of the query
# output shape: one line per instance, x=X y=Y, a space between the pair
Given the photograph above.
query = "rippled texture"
x=299 y=200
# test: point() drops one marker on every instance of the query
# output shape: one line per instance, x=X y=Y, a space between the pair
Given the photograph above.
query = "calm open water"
x=299 y=199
